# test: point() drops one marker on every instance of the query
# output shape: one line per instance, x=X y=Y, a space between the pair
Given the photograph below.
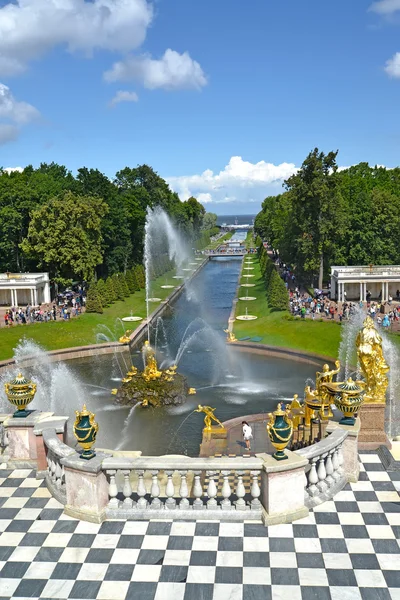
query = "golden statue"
x=296 y=410
x=125 y=339
x=209 y=412
x=323 y=377
x=192 y=391
x=151 y=369
x=372 y=362
x=230 y=337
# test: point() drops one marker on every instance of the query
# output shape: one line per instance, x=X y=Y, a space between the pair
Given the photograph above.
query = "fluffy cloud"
x=239 y=181
x=172 y=72
x=11 y=109
x=30 y=28
x=392 y=67
x=385 y=7
x=12 y=169
x=123 y=96
x=13 y=114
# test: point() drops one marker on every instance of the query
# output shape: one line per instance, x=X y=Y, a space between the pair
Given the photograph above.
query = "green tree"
x=209 y=221
x=130 y=281
x=102 y=292
x=93 y=300
x=119 y=289
x=64 y=235
x=277 y=295
x=110 y=291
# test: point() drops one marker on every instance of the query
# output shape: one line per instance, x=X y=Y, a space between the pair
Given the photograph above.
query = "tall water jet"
x=161 y=240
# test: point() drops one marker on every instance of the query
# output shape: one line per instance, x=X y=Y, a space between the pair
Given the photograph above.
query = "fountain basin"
x=248 y=285
x=247 y=298
x=131 y=319
x=167 y=287
x=246 y=317
x=154 y=299
x=178 y=277
x=246 y=275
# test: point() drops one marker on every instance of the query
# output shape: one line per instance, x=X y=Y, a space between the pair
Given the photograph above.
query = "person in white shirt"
x=247 y=434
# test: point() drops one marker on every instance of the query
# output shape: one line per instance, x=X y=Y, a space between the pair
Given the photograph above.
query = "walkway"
x=347 y=549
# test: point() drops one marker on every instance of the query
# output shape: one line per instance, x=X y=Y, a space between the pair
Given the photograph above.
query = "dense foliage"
x=277 y=295
x=86 y=226
x=327 y=217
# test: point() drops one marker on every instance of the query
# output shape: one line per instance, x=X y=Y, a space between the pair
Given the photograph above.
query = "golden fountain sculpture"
x=372 y=362
x=151 y=371
x=209 y=417
x=125 y=339
x=230 y=336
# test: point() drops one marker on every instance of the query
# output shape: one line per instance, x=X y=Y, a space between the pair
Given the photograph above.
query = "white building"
x=20 y=289
x=381 y=281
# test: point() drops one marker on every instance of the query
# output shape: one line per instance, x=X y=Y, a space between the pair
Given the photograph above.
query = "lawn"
x=221 y=240
x=81 y=331
x=274 y=328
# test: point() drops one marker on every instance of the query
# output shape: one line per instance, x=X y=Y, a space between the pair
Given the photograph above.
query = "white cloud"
x=239 y=181
x=13 y=114
x=30 y=28
x=385 y=7
x=12 y=169
x=11 y=109
x=172 y=72
x=123 y=96
x=392 y=67
x=8 y=133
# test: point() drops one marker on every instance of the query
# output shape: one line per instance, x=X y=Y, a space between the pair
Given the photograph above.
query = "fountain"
x=153 y=387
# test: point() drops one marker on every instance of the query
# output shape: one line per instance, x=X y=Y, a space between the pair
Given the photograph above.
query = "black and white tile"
x=346 y=549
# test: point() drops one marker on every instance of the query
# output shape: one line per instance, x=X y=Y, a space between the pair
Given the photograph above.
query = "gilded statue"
x=372 y=362
x=151 y=369
x=230 y=336
x=209 y=412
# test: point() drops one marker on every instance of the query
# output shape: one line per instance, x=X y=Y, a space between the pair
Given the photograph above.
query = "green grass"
x=81 y=331
x=221 y=240
x=249 y=242
x=275 y=329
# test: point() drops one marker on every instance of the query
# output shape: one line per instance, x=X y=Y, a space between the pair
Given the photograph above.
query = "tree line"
x=86 y=226
x=329 y=216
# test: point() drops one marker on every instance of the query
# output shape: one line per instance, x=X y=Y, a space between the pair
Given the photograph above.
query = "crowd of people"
x=64 y=308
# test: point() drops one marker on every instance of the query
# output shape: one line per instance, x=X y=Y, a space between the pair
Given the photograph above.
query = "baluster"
x=197 y=491
x=313 y=478
x=62 y=477
x=335 y=464
x=170 y=502
x=255 y=490
x=48 y=464
x=322 y=485
x=141 y=491
x=156 y=503
x=53 y=469
x=113 y=490
x=341 y=461
x=226 y=504
x=329 y=469
x=127 y=489
x=240 y=491
x=211 y=491
x=58 y=474
x=184 y=504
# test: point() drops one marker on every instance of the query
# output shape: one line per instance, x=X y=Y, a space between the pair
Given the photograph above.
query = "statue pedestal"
x=372 y=433
x=215 y=441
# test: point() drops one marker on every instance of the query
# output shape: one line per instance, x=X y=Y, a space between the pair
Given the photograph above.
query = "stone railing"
x=325 y=475
x=147 y=487
x=178 y=487
x=56 y=450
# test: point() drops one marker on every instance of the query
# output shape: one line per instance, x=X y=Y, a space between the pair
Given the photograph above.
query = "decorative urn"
x=85 y=431
x=348 y=397
x=280 y=430
x=20 y=392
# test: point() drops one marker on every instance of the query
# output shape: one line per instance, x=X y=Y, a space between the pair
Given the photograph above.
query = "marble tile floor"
x=346 y=549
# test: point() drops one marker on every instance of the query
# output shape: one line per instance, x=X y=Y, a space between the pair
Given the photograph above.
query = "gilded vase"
x=349 y=399
x=280 y=431
x=20 y=392
x=85 y=431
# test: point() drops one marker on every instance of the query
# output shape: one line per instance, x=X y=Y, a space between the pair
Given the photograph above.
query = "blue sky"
x=222 y=98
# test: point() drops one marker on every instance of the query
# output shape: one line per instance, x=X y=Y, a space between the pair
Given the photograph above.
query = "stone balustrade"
x=325 y=474
x=179 y=487
x=151 y=487
x=55 y=474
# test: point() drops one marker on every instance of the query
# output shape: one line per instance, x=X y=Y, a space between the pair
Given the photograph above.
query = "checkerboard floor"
x=346 y=549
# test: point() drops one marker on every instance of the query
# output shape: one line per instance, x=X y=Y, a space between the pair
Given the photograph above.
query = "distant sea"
x=231 y=219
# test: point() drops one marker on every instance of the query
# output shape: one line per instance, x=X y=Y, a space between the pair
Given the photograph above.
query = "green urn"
x=20 y=392
x=348 y=397
x=85 y=431
x=280 y=430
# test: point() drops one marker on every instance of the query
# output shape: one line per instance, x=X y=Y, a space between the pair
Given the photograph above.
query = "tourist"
x=247 y=434
x=385 y=322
